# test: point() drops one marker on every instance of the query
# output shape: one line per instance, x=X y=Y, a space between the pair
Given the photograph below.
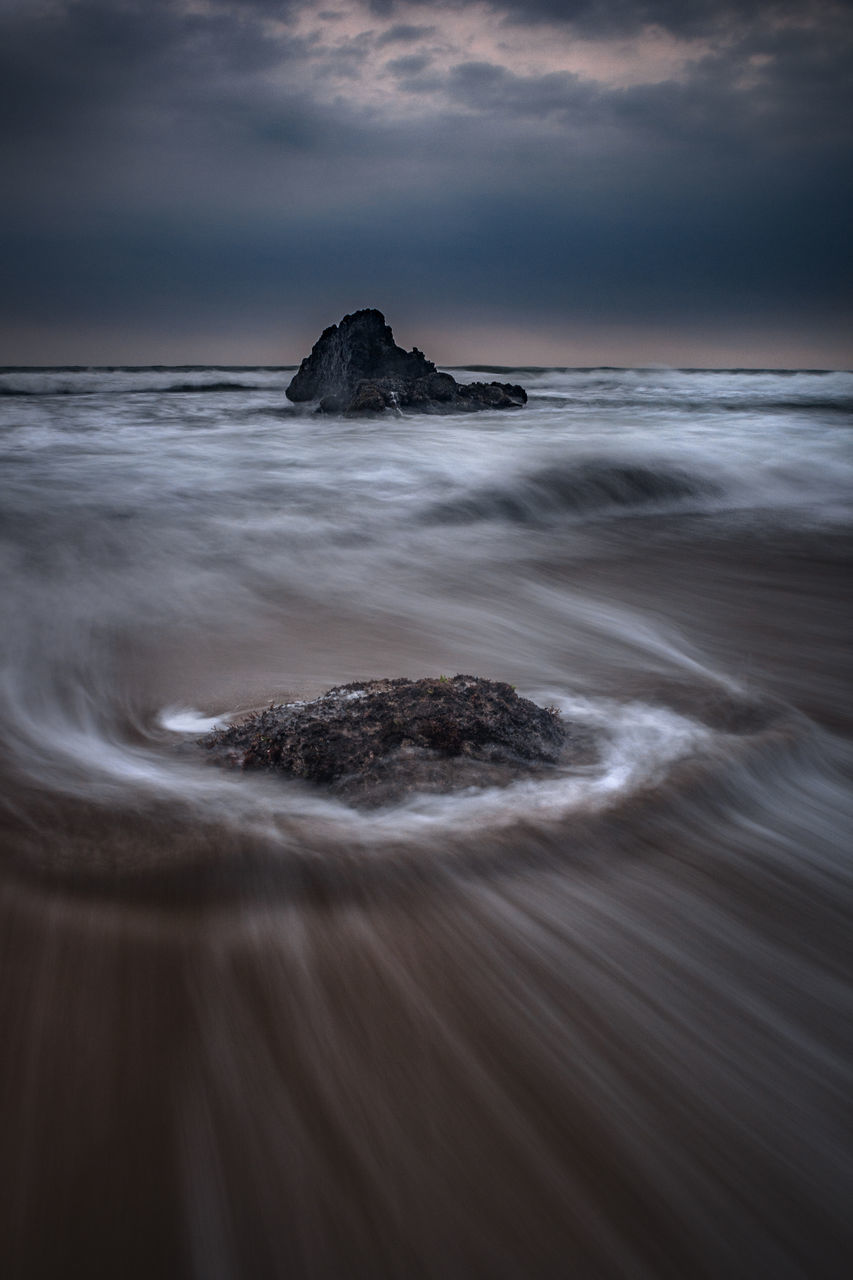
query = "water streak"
x=594 y=1025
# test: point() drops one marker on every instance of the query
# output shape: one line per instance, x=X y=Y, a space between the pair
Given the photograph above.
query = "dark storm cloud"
x=796 y=103
x=56 y=63
x=409 y=66
x=403 y=33
x=231 y=159
x=87 y=59
x=680 y=17
x=487 y=88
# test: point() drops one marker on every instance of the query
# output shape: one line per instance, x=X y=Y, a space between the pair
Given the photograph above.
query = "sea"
x=593 y=1025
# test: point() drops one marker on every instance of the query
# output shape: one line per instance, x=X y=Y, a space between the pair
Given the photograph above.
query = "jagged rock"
x=357 y=368
x=376 y=741
x=368 y=398
x=361 y=347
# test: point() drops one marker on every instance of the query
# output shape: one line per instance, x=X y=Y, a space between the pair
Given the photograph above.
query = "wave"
x=118 y=381
x=583 y=399
x=79 y=760
x=641 y=369
x=576 y=489
x=178 y=388
x=693 y=392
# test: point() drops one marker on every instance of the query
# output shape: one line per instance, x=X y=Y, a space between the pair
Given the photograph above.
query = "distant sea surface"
x=597 y=1025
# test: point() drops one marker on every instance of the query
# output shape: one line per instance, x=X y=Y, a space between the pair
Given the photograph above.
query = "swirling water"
x=597 y=1025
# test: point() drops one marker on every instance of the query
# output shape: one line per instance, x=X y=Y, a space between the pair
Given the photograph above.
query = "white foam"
x=188 y=720
x=639 y=744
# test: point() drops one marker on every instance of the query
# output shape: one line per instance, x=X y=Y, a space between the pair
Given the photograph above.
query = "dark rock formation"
x=379 y=740
x=356 y=368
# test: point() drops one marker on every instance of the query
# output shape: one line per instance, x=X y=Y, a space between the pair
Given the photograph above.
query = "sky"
x=571 y=182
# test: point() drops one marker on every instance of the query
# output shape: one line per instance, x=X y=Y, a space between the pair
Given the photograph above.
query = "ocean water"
x=593 y=1026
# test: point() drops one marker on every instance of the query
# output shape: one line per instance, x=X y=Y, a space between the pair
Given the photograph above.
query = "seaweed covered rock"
x=376 y=741
x=356 y=368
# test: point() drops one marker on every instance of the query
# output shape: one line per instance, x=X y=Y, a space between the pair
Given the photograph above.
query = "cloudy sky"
x=532 y=181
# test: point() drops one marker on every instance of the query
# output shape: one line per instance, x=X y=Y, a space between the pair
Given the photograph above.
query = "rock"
x=493 y=395
x=361 y=347
x=356 y=368
x=377 y=741
x=367 y=398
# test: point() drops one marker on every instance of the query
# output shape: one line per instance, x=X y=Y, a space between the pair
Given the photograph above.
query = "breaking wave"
x=577 y=488
x=137 y=380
